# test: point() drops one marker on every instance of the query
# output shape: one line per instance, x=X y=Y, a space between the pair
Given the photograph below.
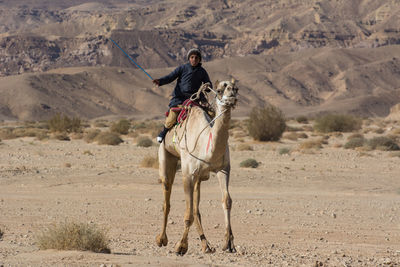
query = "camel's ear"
x=216 y=83
x=233 y=81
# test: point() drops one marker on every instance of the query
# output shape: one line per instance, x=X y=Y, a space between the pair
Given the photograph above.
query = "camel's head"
x=227 y=93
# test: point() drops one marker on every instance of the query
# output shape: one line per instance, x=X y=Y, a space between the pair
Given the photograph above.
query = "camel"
x=201 y=143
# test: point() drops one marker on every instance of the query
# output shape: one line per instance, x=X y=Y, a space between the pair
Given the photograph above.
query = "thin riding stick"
x=131 y=59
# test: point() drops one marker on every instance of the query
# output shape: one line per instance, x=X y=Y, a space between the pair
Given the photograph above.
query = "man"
x=190 y=77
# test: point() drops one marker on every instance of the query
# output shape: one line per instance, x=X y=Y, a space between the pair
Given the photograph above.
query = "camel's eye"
x=225 y=84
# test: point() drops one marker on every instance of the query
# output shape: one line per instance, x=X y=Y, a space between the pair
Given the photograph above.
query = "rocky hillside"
x=305 y=56
x=158 y=33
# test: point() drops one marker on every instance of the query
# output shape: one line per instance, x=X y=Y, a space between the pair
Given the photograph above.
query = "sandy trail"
x=334 y=206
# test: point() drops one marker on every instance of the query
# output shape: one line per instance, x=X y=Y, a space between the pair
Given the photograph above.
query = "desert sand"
x=318 y=207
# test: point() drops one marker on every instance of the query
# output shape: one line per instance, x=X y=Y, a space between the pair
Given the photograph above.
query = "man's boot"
x=162 y=135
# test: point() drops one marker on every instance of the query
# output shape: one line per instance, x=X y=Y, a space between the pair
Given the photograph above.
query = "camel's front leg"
x=223 y=177
x=167 y=170
x=182 y=246
x=197 y=218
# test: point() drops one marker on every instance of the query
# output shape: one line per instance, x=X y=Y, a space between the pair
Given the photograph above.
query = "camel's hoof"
x=161 y=240
x=181 y=249
x=229 y=247
x=208 y=249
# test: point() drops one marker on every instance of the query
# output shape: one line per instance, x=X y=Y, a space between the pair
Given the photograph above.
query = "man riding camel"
x=190 y=77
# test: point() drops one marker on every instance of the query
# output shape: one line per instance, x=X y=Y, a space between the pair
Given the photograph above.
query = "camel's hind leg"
x=182 y=246
x=197 y=218
x=167 y=170
x=223 y=177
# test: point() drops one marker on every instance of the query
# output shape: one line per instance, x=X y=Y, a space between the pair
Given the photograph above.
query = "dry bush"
x=355 y=142
x=74 y=236
x=133 y=134
x=7 y=133
x=1 y=233
x=59 y=123
x=87 y=152
x=91 y=135
x=76 y=136
x=337 y=123
x=149 y=162
x=312 y=144
x=249 y=163
x=383 y=143
x=121 y=127
x=108 y=138
x=266 y=124
x=144 y=142
x=244 y=147
x=61 y=137
x=284 y=150
x=379 y=131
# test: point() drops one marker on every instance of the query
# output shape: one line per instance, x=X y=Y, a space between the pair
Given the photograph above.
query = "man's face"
x=194 y=60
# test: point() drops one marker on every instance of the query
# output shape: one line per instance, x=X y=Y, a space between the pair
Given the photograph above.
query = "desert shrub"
x=266 y=124
x=379 y=131
x=249 y=163
x=354 y=142
x=100 y=124
x=59 y=123
x=91 y=135
x=144 y=142
x=337 y=123
x=316 y=144
x=7 y=133
x=74 y=236
x=61 y=137
x=1 y=233
x=108 y=138
x=244 y=147
x=383 y=143
x=149 y=162
x=284 y=150
x=302 y=119
x=87 y=152
x=121 y=127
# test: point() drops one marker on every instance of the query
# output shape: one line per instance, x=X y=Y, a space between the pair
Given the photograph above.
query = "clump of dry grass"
x=61 y=136
x=87 y=152
x=1 y=233
x=108 y=138
x=291 y=136
x=337 y=123
x=312 y=144
x=101 y=124
x=149 y=162
x=383 y=143
x=74 y=236
x=249 y=163
x=144 y=142
x=244 y=147
x=59 y=123
x=266 y=124
x=121 y=127
x=91 y=135
x=7 y=133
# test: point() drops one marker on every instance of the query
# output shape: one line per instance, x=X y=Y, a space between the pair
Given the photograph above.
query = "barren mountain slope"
x=308 y=82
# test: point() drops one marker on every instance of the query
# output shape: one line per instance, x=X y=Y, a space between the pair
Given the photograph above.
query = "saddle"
x=185 y=107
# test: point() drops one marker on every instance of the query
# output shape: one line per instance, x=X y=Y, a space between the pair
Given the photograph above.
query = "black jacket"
x=189 y=81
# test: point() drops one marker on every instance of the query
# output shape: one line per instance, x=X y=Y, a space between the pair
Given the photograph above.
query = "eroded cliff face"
x=159 y=34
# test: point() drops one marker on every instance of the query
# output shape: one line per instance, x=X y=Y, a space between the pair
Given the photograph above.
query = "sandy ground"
x=331 y=207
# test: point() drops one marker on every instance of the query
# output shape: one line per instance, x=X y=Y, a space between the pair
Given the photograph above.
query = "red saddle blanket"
x=183 y=110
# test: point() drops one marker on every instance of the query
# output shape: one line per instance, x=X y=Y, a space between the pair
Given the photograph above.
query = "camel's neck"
x=220 y=131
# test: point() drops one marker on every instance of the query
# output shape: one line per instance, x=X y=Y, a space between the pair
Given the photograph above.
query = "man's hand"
x=156 y=82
